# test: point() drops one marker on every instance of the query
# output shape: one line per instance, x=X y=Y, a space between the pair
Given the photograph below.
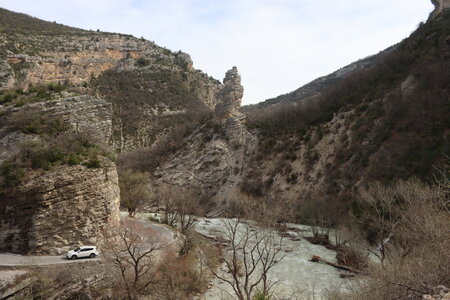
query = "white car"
x=84 y=251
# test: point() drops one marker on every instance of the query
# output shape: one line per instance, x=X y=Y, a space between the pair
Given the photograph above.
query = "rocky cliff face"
x=76 y=58
x=152 y=88
x=84 y=114
x=216 y=153
x=57 y=210
x=440 y=6
x=67 y=205
x=230 y=96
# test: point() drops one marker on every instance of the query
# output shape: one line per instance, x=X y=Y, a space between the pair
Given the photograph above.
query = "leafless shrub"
x=268 y=212
x=411 y=237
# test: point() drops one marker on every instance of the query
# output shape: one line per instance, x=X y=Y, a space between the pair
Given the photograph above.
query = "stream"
x=297 y=277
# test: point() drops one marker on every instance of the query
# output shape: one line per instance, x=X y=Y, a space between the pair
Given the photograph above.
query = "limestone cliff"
x=57 y=205
x=57 y=210
x=152 y=89
x=230 y=96
x=440 y=6
x=216 y=153
x=85 y=114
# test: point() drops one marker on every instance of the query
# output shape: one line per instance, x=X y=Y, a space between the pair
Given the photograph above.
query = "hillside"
x=385 y=119
x=386 y=122
x=12 y=22
x=70 y=101
x=153 y=90
x=315 y=87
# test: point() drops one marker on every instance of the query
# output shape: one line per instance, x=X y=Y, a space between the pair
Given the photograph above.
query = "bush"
x=11 y=174
x=33 y=122
x=48 y=152
x=410 y=224
x=352 y=256
x=142 y=62
x=252 y=186
x=93 y=163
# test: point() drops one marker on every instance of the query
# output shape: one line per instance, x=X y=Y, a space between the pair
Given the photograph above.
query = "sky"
x=277 y=45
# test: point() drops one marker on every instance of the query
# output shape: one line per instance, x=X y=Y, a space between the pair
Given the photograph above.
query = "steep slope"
x=386 y=119
x=152 y=89
x=315 y=87
x=319 y=85
x=58 y=184
x=213 y=157
x=386 y=122
x=69 y=99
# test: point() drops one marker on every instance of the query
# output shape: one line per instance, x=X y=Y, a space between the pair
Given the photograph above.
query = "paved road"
x=166 y=236
x=10 y=260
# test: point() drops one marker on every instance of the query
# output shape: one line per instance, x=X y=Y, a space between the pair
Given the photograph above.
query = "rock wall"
x=217 y=153
x=212 y=162
x=80 y=113
x=57 y=210
x=78 y=58
x=145 y=82
x=71 y=58
x=439 y=5
x=230 y=96
x=52 y=211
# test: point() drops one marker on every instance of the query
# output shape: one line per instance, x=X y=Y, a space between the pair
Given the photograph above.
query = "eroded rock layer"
x=216 y=154
x=56 y=210
x=62 y=206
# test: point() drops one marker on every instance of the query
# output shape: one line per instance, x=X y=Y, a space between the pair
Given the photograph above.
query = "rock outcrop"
x=57 y=210
x=216 y=154
x=85 y=114
x=53 y=210
x=229 y=98
x=440 y=5
x=152 y=89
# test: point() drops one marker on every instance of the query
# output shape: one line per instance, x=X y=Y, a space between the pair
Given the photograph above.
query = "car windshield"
x=78 y=249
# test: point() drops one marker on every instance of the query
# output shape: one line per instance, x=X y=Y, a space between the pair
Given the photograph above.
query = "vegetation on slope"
x=154 y=99
x=12 y=22
x=388 y=123
x=53 y=144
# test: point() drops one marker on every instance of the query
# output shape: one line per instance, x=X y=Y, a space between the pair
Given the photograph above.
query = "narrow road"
x=11 y=260
x=165 y=235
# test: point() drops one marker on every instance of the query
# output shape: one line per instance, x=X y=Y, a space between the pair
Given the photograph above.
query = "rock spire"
x=230 y=96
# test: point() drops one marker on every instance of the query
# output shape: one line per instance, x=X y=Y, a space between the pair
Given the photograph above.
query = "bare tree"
x=180 y=207
x=409 y=220
x=252 y=254
x=188 y=208
x=268 y=212
x=165 y=198
x=380 y=214
x=134 y=190
x=133 y=252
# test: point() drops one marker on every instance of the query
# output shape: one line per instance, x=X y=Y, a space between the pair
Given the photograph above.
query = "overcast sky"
x=277 y=45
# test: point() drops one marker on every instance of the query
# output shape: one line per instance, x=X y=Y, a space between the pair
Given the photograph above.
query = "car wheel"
x=73 y=257
x=92 y=255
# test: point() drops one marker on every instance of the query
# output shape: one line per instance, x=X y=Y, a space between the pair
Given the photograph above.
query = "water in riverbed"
x=298 y=277
x=295 y=273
